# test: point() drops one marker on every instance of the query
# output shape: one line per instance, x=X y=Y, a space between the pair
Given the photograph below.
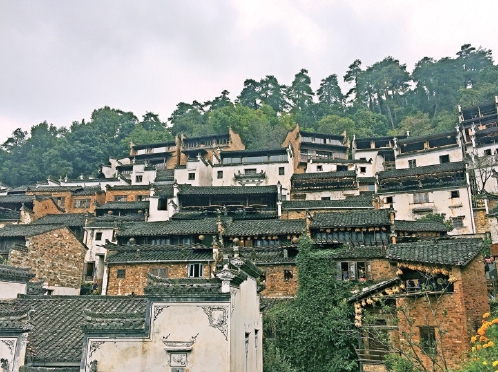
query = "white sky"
x=61 y=59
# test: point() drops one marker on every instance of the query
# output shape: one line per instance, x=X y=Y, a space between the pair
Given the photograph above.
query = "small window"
x=281 y=171
x=428 y=340
x=363 y=169
x=421 y=197
x=288 y=275
x=138 y=178
x=250 y=171
x=389 y=199
x=319 y=168
x=220 y=174
x=120 y=198
x=162 y=204
x=342 y=168
x=325 y=198
x=98 y=236
x=487 y=152
x=121 y=273
x=160 y=272
x=191 y=176
x=82 y=203
x=455 y=194
x=457 y=222
x=142 y=197
x=444 y=159
x=90 y=270
x=412 y=163
x=61 y=201
x=262 y=277
x=195 y=270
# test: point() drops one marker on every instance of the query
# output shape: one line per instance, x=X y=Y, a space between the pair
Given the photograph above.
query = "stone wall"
x=481 y=221
x=132 y=195
x=56 y=256
x=276 y=283
x=455 y=315
x=135 y=279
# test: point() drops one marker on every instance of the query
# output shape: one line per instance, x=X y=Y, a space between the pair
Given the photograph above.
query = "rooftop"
x=452 y=252
x=172 y=227
x=265 y=227
x=360 y=202
x=124 y=205
x=18 y=231
x=437 y=168
x=357 y=218
x=226 y=190
x=66 y=219
x=420 y=226
x=159 y=253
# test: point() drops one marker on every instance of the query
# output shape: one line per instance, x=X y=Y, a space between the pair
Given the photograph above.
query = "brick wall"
x=43 y=207
x=382 y=270
x=135 y=279
x=235 y=141
x=276 y=284
x=481 y=221
x=131 y=194
x=56 y=256
x=456 y=315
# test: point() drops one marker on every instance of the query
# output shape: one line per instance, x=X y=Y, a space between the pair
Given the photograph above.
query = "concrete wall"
x=201 y=170
x=440 y=201
x=9 y=290
x=177 y=322
x=431 y=157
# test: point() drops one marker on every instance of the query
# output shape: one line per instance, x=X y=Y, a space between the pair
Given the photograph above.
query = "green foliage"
x=396 y=363
x=313 y=332
x=438 y=217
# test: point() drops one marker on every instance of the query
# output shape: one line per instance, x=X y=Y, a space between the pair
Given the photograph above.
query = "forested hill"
x=383 y=99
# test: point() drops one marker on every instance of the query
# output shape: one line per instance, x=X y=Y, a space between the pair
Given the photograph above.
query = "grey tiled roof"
x=57 y=335
x=113 y=220
x=124 y=205
x=185 y=287
x=237 y=215
x=377 y=217
x=374 y=288
x=351 y=253
x=10 y=199
x=438 y=168
x=423 y=226
x=322 y=175
x=160 y=253
x=179 y=227
x=265 y=227
x=128 y=187
x=267 y=256
x=9 y=215
x=227 y=190
x=164 y=175
x=11 y=231
x=348 y=203
x=164 y=191
x=451 y=133
x=66 y=219
x=18 y=274
x=453 y=252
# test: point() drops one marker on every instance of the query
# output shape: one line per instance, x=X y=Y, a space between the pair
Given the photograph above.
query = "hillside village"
x=167 y=260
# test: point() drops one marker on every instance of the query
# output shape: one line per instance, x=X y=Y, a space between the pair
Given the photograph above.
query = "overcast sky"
x=61 y=59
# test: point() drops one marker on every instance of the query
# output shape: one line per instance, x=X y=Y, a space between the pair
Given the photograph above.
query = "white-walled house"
x=442 y=188
x=180 y=325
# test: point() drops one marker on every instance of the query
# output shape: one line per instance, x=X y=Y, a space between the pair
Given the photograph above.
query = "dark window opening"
x=389 y=200
x=428 y=340
x=98 y=236
x=195 y=270
x=220 y=174
x=412 y=163
x=457 y=222
x=363 y=169
x=120 y=198
x=160 y=272
x=281 y=171
x=90 y=269
x=60 y=201
x=319 y=168
x=325 y=197
x=455 y=194
x=138 y=178
x=191 y=176
x=487 y=152
x=342 y=168
x=444 y=159
x=262 y=277
x=162 y=204
x=251 y=171
x=121 y=273
x=288 y=275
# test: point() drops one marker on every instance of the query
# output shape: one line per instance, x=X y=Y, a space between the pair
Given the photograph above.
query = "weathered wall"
x=56 y=256
x=43 y=207
x=135 y=279
x=276 y=285
x=131 y=195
